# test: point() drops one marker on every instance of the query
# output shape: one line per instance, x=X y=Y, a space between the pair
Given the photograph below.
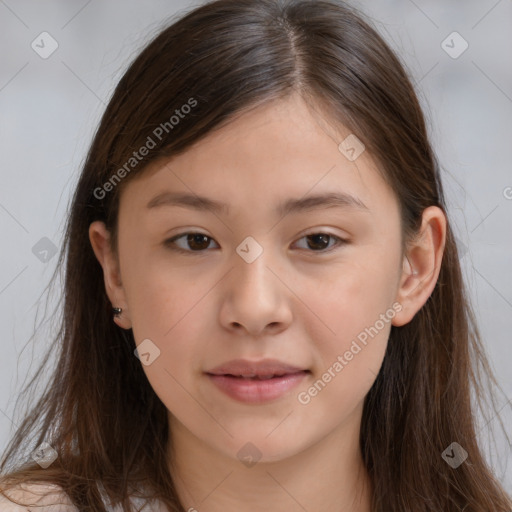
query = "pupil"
x=198 y=237
x=323 y=237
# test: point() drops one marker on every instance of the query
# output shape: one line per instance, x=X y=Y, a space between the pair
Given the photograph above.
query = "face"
x=312 y=287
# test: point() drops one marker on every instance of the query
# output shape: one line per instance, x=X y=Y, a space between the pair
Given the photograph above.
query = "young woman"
x=263 y=305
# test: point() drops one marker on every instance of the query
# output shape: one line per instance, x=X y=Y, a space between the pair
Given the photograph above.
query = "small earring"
x=414 y=272
x=117 y=311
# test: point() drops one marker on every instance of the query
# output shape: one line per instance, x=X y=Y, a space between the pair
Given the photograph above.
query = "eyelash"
x=170 y=243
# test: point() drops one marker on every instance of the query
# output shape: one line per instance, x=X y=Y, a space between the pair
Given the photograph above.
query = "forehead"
x=262 y=158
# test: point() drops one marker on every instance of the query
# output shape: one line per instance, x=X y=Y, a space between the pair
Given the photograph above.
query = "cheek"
x=160 y=294
x=172 y=311
x=353 y=314
x=168 y=308
x=348 y=359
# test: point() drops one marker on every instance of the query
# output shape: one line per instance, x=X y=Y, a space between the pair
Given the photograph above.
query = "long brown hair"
x=99 y=412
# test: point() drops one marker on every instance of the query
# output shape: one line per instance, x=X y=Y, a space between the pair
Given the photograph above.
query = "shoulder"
x=47 y=497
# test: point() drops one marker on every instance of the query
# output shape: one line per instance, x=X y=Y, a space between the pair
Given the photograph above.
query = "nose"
x=255 y=298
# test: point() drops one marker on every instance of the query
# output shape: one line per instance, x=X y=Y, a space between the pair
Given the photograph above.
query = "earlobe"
x=421 y=265
x=100 y=241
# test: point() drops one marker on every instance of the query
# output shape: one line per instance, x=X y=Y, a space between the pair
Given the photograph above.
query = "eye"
x=319 y=241
x=198 y=242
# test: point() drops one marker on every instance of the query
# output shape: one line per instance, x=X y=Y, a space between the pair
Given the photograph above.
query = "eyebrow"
x=312 y=202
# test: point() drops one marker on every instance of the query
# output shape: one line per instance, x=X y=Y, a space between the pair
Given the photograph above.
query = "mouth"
x=257 y=388
x=253 y=377
x=263 y=369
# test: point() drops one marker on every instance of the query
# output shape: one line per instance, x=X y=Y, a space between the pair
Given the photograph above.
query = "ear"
x=421 y=265
x=100 y=240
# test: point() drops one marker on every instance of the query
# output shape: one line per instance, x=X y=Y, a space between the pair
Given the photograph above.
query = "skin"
x=300 y=303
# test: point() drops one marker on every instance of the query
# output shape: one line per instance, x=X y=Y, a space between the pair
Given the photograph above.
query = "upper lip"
x=246 y=368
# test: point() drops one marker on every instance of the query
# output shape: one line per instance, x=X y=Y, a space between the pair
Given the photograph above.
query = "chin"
x=258 y=447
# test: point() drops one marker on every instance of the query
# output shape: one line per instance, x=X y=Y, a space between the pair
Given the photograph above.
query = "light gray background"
x=50 y=107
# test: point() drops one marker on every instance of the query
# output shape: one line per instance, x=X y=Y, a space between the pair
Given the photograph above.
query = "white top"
x=55 y=500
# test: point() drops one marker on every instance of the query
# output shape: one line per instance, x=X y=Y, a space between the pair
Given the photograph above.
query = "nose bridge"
x=251 y=275
x=254 y=297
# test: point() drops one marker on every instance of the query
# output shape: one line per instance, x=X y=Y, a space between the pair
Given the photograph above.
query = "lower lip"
x=256 y=391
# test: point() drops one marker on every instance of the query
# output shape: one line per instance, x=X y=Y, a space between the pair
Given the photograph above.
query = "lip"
x=256 y=391
x=262 y=368
x=228 y=378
